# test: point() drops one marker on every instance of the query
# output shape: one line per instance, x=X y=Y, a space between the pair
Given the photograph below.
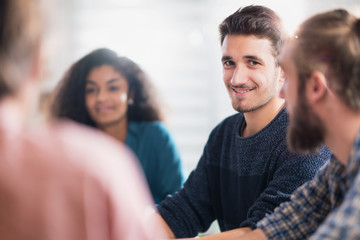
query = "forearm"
x=228 y=235
x=257 y=234
x=165 y=226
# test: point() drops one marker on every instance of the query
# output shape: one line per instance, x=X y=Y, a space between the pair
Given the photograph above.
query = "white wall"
x=177 y=44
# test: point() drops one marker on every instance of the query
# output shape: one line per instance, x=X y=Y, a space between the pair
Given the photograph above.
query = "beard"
x=305 y=132
x=255 y=105
x=248 y=109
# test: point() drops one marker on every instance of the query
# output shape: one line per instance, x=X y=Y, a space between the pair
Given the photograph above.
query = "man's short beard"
x=249 y=109
x=305 y=132
x=252 y=108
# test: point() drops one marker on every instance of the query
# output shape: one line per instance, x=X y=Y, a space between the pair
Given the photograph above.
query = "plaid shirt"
x=328 y=207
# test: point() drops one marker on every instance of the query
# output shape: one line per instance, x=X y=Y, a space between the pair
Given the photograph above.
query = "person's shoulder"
x=68 y=150
x=225 y=129
x=229 y=122
x=281 y=120
x=276 y=129
x=75 y=132
x=151 y=124
x=149 y=127
x=79 y=142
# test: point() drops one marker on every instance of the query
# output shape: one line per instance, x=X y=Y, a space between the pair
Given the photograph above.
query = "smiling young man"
x=246 y=169
x=322 y=66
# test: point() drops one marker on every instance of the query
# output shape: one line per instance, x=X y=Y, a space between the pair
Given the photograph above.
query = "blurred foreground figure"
x=55 y=183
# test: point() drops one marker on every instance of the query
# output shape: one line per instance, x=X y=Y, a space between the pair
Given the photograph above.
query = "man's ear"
x=316 y=88
x=282 y=75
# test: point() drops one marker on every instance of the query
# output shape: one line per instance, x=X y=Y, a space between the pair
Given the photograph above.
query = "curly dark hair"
x=69 y=97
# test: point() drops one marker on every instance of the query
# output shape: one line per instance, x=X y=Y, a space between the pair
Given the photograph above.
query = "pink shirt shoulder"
x=70 y=182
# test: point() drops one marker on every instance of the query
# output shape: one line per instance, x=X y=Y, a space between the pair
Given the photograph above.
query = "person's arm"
x=257 y=234
x=165 y=226
x=190 y=210
x=343 y=222
x=235 y=234
x=289 y=172
x=301 y=216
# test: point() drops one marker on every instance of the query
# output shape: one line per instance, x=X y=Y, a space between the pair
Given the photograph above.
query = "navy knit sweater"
x=238 y=180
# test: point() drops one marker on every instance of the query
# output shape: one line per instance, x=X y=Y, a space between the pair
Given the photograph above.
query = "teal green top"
x=158 y=156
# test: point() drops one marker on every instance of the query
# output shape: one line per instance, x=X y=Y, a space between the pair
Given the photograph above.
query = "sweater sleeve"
x=168 y=164
x=289 y=171
x=190 y=210
x=298 y=218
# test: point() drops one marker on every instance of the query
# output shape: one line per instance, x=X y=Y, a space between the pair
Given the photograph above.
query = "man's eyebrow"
x=252 y=57
x=225 y=58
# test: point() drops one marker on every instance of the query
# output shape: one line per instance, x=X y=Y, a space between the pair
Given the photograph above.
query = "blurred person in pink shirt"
x=58 y=180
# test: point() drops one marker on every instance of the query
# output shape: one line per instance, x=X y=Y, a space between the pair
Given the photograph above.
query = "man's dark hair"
x=259 y=21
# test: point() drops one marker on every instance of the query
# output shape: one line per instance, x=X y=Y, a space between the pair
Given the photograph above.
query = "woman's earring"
x=130 y=101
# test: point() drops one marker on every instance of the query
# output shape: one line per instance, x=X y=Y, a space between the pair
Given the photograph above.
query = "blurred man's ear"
x=316 y=87
x=282 y=75
x=282 y=82
x=36 y=67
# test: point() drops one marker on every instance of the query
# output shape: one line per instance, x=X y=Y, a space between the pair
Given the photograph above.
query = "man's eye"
x=253 y=63
x=228 y=64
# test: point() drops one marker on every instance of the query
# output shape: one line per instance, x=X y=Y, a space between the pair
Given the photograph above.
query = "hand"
x=257 y=234
x=236 y=234
x=228 y=235
x=169 y=232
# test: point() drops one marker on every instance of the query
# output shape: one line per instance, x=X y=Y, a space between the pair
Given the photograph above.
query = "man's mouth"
x=241 y=91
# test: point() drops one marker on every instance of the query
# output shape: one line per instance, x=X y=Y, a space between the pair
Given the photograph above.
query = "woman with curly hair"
x=112 y=93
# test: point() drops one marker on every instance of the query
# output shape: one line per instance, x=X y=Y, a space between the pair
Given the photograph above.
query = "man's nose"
x=239 y=76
